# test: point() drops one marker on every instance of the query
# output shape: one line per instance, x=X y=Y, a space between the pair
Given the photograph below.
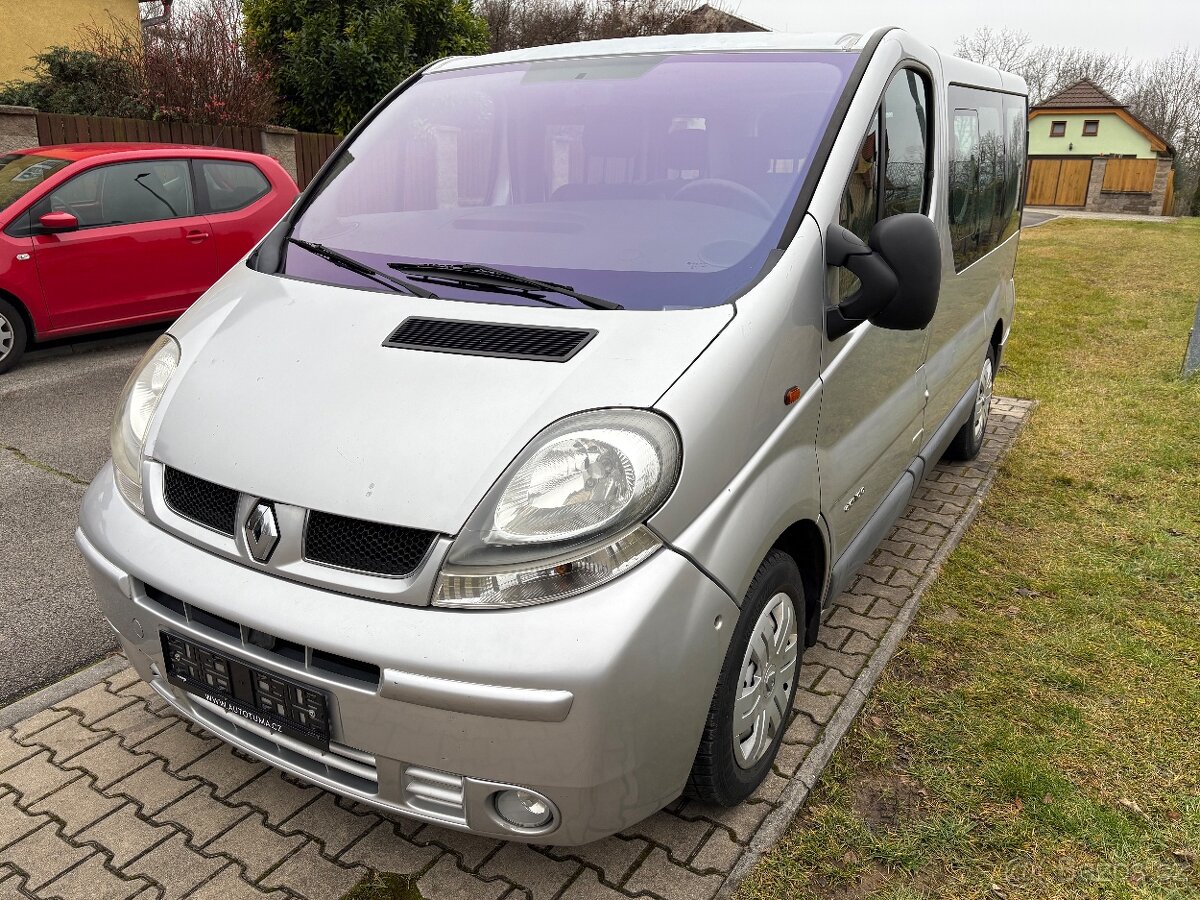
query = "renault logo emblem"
x=262 y=531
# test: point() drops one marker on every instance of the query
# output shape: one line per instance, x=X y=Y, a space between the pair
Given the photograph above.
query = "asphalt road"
x=1030 y=218
x=55 y=410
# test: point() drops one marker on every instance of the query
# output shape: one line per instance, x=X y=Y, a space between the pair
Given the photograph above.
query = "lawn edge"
x=777 y=823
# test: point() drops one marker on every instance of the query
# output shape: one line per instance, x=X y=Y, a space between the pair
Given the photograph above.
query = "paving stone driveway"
x=106 y=795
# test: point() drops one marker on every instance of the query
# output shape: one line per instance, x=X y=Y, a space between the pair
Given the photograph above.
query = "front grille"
x=364 y=546
x=205 y=503
x=535 y=342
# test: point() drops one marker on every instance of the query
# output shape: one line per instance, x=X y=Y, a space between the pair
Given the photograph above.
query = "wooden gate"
x=1130 y=175
x=1058 y=182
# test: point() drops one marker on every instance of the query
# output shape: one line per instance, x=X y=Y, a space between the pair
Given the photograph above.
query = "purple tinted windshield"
x=656 y=182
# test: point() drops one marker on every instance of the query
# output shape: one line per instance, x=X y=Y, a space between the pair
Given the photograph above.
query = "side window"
x=904 y=148
x=987 y=151
x=991 y=171
x=860 y=201
x=125 y=194
x=906 y=143
x=81 y=196
x=230 y=185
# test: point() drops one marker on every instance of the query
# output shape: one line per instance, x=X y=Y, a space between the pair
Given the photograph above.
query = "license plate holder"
x=251 y=692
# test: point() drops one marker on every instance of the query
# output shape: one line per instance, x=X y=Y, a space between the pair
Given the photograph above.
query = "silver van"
x=503 y=484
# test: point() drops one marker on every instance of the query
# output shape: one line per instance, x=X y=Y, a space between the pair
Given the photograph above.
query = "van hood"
x=285 y=391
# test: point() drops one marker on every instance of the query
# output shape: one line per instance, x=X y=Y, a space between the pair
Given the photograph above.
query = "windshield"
x=20 y=173
x=655 y=182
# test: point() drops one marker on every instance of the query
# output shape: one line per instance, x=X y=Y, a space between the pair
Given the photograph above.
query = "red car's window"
x=230 y=185
x=124 y=194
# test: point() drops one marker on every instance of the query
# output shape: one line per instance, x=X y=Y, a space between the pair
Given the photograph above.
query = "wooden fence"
x=312 y=150
x=1129 y=175
x=61 y=129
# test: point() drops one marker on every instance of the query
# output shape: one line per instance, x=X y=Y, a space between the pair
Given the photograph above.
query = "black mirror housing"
x=900 y=269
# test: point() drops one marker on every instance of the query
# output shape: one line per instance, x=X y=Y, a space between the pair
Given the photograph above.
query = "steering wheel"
x=730 y=194
x=57 y=205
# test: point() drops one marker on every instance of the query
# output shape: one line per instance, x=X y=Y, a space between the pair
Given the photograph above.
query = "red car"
x=97 y=236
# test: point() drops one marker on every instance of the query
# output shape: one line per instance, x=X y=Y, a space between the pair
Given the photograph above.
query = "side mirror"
x=58 y=221
x=900 y=268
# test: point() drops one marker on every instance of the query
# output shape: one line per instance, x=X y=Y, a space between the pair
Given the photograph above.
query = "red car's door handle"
x=196 y=236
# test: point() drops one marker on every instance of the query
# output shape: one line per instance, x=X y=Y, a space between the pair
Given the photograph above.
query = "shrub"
x=330 y=62
x=78 y=82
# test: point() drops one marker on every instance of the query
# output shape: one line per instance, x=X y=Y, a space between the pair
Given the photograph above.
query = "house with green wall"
x=1087 y=150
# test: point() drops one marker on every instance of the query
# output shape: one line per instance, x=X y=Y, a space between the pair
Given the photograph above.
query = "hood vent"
x=537 y=342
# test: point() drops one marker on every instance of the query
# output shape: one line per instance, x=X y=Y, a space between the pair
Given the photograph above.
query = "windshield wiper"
x=470 y=273
x=361 y=268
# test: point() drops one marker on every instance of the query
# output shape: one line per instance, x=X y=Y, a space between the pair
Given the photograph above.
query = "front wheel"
x=13 y=336
x=969 y=440
x=753 y=700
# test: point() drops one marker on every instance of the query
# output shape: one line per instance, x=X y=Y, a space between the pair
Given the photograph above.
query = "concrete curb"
x=776 y=825
x=61 y=690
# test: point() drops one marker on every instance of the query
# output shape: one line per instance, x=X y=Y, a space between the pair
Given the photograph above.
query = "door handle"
x=196 y=236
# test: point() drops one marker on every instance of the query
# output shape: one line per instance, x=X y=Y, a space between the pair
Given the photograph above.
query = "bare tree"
x=533 y=23
x=1004 y=48
x=1163 y=93
x=1047 y=69
x=194 y=68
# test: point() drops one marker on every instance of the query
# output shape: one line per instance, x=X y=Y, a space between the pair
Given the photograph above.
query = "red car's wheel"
x=13 y=336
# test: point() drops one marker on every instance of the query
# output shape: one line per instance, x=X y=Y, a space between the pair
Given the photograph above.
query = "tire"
x=727 y=771
x=969 y=440
x=13 y=336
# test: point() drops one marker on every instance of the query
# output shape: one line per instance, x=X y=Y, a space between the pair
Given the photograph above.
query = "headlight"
x=567 y=515
x=135 y=410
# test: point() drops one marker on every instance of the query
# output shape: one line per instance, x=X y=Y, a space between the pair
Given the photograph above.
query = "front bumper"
x=597 y=702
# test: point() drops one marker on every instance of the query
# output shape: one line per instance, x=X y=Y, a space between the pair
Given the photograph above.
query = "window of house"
x=1058 y=129
x=1091 y=127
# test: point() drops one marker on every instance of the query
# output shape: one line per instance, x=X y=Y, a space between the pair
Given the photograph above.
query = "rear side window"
x=230 y=185
x=987 y=157
x=124 y=194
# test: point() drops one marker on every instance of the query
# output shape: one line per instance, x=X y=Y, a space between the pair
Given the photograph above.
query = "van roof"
x=672 y=43
x=955 y=69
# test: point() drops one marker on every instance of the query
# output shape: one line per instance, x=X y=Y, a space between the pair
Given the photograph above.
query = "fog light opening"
x=523 y=809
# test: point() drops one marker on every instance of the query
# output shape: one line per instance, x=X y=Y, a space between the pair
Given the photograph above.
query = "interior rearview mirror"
x=900 y=270
x=58 y=221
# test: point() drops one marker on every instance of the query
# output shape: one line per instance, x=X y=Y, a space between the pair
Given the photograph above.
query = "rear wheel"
x=753 y=700
x=13 y=336
x=969 y=440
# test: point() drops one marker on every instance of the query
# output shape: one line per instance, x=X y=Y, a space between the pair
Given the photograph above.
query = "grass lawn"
x=1038 y=733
